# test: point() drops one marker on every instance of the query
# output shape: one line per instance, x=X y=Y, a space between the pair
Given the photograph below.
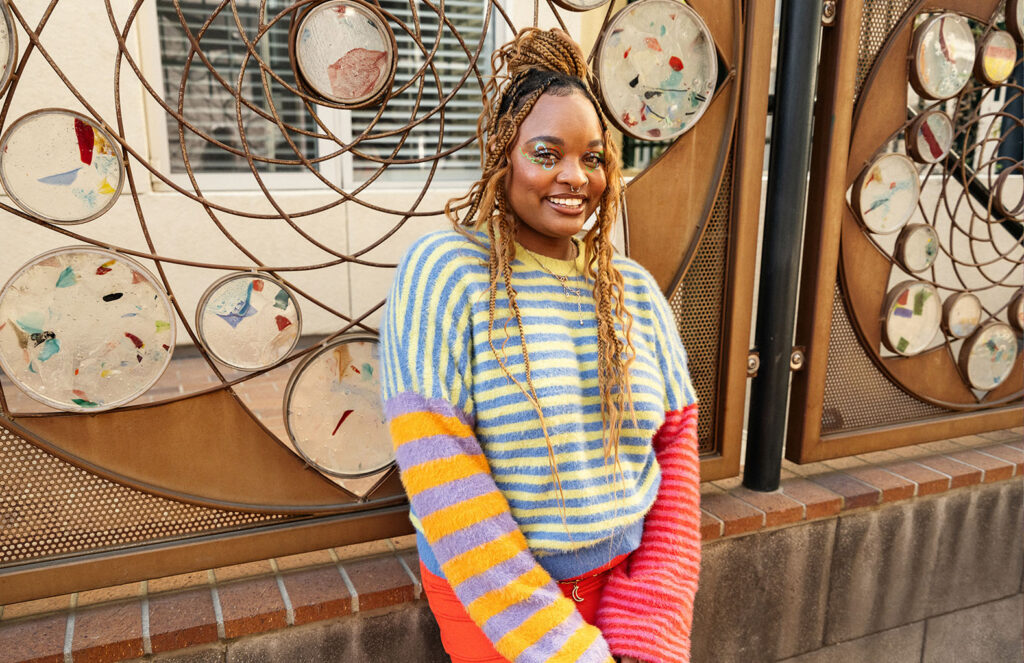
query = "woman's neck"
x=559 y=248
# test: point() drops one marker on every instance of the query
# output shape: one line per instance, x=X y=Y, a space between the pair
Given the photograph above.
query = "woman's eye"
x=593 y=161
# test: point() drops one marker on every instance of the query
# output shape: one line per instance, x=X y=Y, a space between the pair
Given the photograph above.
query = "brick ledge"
x=168 y=614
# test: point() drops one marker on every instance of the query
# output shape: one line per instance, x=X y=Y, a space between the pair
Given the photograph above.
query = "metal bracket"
x=828 y=13
x=753 y=363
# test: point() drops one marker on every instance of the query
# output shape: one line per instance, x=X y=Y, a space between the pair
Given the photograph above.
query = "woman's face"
x=557 y=172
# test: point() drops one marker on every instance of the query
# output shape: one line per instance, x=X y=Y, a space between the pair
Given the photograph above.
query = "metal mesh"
x=857 y=394
x=697 y=304
x=50 y=508
x=877 y=21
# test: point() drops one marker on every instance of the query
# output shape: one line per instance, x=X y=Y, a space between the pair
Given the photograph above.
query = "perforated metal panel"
x=50 y=508
x=877 y=21
x=697 y=304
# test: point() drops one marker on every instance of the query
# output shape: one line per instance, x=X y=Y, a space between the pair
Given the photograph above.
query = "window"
x=209 y=105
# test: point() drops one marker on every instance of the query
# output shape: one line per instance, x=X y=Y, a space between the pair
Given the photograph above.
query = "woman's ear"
x=492 y=143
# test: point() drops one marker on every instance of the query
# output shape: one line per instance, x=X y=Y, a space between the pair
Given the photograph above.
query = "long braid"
x=507 y=100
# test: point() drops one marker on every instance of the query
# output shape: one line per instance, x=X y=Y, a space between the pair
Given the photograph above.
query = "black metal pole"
x=785 y=205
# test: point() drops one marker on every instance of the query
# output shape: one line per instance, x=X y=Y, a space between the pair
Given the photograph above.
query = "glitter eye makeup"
x=542 y=154
x=593 y=160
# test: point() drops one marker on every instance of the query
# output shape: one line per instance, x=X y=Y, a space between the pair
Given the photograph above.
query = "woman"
x=553 y=482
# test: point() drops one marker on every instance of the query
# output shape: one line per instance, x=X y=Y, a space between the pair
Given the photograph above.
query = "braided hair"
x=539 y=62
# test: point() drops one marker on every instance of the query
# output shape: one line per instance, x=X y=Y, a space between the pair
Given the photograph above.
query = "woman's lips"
x=567 y=204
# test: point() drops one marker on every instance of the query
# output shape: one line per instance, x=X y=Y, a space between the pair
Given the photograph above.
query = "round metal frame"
x=981 y=70
x=580 y=5
x=377 y=19
x=293 y=380
x=603 y=78
x=923 y=123
x=906 y=235
x=12 y=47
x=1015 y=18
x=890 y=299
x=862 y=180
x=949 y=308
x=135 y=266
x=59 y=111
x=227 y=278
x=917 y=79
x=983 y=335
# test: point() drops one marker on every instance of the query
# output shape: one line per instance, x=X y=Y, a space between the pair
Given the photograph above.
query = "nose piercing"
x=575 y=189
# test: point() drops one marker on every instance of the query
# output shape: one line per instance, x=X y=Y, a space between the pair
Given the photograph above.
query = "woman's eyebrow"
x=547 y=139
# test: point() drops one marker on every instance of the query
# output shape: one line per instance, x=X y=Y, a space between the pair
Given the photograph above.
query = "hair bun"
x=551 y=50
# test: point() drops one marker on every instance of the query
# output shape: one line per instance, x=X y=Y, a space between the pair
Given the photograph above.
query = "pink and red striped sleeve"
x=647 y=607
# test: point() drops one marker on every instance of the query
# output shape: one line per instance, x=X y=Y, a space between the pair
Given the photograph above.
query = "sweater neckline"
x=561 y=267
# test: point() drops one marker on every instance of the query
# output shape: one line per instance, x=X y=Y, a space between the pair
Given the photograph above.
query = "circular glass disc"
x=657 y=66
x=961 y=314
x=248 y=321
x=84 y=329
x=1015 y=18
x=60 y=166
x=997 y=55
x=885 y=194
x=1015 y=312
x=345 y=51
x=930 y=136
x=913 y=315
x=917 y=247
x=8 y=46
x=580 y=5
x=989 y=356
x=943 y=55
x=333 y=412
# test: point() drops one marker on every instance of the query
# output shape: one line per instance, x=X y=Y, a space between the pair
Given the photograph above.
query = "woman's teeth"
x=568 y=202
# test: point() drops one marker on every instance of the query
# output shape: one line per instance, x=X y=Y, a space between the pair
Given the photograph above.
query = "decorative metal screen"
x=201 y=149
x=874 y=383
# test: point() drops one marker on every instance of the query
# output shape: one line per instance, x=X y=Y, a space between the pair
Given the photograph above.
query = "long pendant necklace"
x=564 y=280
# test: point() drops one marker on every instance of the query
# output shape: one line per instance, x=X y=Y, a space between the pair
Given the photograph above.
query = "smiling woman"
x=551 y=466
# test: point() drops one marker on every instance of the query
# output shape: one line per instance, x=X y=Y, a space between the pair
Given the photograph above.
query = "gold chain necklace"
x=564 y=280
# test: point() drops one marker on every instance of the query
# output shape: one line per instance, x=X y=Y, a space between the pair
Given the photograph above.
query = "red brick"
x=181 y=619
x=819 y=502
x=892 y=487
x=108 y=633
x=710 y=526
x=960 y=475
x=251 y=606
x=929 y=482
x=317 y=594
x=1007 y=453
x=379 y=581
x=855 y=493
x=995 y=469
x=36 y=640
x=738 y=516
x=778 y=509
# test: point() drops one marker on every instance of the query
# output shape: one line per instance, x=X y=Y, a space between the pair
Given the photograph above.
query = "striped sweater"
x=475 y=464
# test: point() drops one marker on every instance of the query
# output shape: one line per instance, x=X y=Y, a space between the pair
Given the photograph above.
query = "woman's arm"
x=647 y=610
x=426 y=346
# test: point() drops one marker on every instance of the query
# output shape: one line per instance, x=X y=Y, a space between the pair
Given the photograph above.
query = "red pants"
x=463 y=639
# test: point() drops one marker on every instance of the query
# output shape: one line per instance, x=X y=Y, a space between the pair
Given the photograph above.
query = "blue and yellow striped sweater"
x=473 y=457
